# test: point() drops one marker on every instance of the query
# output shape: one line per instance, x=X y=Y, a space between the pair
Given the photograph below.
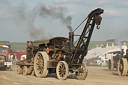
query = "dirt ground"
x=96 y=76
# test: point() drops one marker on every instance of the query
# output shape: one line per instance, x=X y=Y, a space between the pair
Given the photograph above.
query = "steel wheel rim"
x=121 y=66
x=25 y=70
x=39 y=64
x=109 y=64
x=18 y=69
x=83 y=73
x=62 y=70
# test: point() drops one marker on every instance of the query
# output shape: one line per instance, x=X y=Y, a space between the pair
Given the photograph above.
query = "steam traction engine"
x=113 y=62
x=123 y=65
x=59 y=55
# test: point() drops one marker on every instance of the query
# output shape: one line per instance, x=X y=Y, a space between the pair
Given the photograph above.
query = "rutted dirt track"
x=96 y=76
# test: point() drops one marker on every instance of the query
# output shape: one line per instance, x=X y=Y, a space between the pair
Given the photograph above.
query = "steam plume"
x=25 y=19
x=55 y=12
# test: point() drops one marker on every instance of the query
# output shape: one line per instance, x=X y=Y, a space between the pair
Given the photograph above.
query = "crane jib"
x=82 y=44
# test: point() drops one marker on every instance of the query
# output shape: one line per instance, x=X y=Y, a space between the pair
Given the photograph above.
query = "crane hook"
x=98 y=26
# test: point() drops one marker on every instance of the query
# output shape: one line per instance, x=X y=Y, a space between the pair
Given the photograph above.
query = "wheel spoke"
x=37 y=58
x=37 y=64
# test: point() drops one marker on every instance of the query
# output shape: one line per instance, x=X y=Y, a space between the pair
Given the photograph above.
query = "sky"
x=23 y=20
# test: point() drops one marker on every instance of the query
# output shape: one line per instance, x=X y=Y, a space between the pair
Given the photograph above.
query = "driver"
x=126 y=56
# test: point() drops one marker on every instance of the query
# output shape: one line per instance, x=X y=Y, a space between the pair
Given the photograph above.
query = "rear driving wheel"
x=40 y=64
x=82 y=73
x=122 y=67
x=62 y=70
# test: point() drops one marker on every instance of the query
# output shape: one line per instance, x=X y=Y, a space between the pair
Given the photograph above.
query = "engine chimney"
x=71 y=41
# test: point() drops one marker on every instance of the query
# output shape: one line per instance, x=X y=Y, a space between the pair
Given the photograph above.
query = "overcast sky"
x=22 y=20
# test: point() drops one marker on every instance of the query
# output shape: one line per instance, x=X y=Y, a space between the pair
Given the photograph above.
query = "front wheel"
x=122 y=67
x=82 y=73
x=62 y=70
x=110 y=64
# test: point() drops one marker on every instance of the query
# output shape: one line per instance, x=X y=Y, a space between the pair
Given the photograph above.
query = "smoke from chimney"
x=25 y=19
x=55 y=12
